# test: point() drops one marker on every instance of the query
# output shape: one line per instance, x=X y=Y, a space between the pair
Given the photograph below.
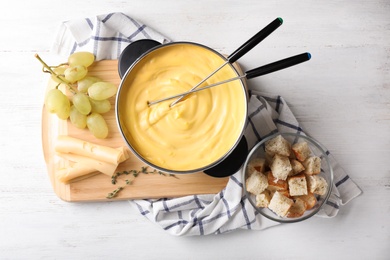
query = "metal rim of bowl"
x=139 y=156
x=330 y=185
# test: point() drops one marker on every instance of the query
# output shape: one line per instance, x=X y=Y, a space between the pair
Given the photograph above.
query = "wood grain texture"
x=341 y=97
x=97 y=187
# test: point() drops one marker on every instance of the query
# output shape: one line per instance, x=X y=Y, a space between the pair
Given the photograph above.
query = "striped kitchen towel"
x=106 y=36
x=230 y=209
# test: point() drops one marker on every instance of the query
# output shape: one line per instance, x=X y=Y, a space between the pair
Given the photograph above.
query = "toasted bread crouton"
x=317 y=184
x=275 y=183
x=278 y=145
x=280 y=204
x=280 y=166
x=285 y=193
x=301 y=150
x=263 y=199
x=312 y=165
x=297 y=209
x=310 y=200
x=297 y=185
x=256 y=183
x=297 y=167
x=257 y=164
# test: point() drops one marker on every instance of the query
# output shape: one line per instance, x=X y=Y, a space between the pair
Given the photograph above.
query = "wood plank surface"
x=97 y=187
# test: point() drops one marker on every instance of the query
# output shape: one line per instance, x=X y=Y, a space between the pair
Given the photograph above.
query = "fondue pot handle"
x=132 y=52
x=278 y=65
x=232 y=163
x=256 y=39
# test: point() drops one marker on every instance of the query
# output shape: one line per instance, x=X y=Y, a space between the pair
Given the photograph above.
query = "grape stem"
x=55 y=74
x=59 y=65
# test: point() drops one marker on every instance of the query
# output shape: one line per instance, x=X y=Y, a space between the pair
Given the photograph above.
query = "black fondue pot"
x=234 y=158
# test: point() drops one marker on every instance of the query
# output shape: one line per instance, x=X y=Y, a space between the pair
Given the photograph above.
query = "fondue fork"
x=243 y=49
x=265 y=69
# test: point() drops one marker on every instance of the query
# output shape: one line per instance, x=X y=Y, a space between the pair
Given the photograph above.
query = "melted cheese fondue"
x=197 y=131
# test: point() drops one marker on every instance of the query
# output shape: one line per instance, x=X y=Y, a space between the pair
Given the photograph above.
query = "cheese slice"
x=97 y=165
x=74 y=172
x=67 y=144
x=125 y=153
x=88 y=159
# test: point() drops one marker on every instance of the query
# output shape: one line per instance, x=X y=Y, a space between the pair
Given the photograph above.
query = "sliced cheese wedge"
x=70 y=145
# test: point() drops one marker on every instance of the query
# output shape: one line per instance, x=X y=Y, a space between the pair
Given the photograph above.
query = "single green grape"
x=100 y=106
x=55 y=101
x=85 y=83
x=73 y=74
x=64 y=112
x=102 y=90
x=60 y=72
x=77 y=119
x=81 y=102
x=97 y=125
x=82 y=58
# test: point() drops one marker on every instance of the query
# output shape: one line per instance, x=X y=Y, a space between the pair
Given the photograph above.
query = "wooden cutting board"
x=97 y=187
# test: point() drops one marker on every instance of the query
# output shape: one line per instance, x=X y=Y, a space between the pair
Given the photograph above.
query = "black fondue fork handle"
x=256 y=39
x=277 y=65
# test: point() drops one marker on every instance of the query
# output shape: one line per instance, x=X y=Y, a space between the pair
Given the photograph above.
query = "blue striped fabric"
x=230 y=209
x=106 y=36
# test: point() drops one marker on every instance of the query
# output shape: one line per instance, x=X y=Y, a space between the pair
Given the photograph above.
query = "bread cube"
x=275 y=183
x=297 y=185
x=297 y=209
x=297 y=167
x=317 y=184
x=282 y=192
x=278 y=145
x=310 y=200
x=280 y=204
x=285 y=193
x=312 y=165
x=256 y=183
x=280 y=167
x=263 y=199
x=301 y=151
x=257 y=164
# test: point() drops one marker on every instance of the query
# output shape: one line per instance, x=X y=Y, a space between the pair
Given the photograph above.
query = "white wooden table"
x=341 y=97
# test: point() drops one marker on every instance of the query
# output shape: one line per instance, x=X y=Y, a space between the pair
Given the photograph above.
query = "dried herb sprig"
x=114 y=193
x=134 y=174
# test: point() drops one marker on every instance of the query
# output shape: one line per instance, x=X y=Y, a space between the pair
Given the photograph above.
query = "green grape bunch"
x=88 y=97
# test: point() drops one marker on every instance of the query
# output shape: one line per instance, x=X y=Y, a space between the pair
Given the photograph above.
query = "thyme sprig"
x=134 y=174
x=114 y=192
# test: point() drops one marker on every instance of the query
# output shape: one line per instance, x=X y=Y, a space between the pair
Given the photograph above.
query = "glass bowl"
x=316 y=149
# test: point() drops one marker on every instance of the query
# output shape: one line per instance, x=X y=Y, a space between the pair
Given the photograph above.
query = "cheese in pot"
x=196 y=132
